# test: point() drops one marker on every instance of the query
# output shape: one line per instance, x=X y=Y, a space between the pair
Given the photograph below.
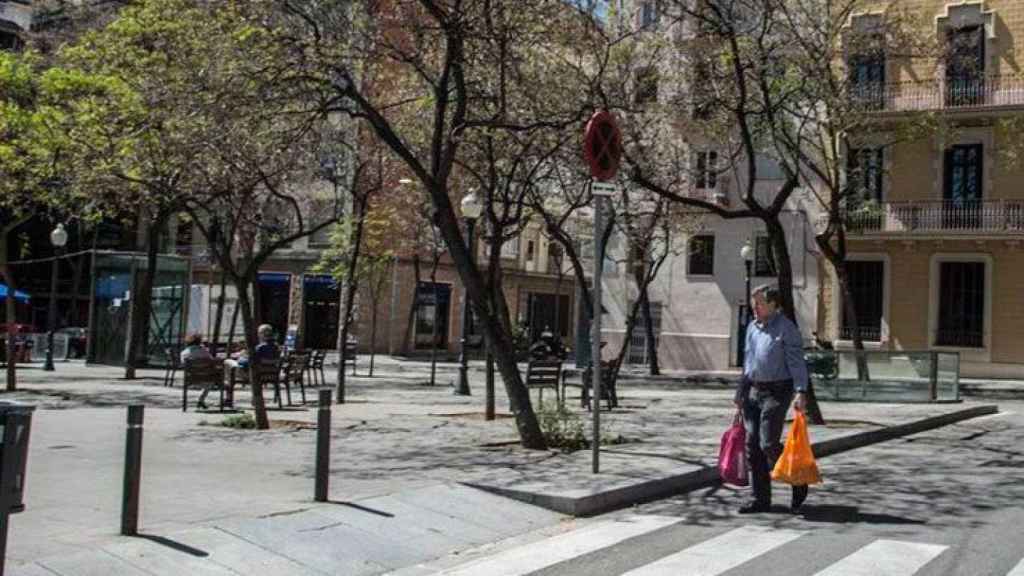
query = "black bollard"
x=132 y=472
x=323 y=446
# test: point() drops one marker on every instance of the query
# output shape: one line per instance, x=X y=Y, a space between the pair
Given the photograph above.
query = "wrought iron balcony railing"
x=940 y=94
x=932 y=216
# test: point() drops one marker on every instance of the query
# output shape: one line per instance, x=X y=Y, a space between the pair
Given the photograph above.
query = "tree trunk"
x=249 y=327
x=408 y=343
x=852 y=321
x=784 y=268
x=652 y=346
x=141 y=302
x=373 y=336
x=234 y=322
x=433 y=331
x=349 y=294
x=220 y=308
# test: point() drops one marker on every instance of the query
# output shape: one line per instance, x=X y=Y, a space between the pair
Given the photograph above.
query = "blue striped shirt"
x=774 y=351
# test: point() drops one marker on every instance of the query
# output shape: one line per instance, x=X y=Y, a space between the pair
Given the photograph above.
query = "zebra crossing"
x=710 y=557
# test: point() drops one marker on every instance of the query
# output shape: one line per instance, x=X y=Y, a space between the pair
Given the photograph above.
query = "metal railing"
x=931 y=216
x=938 y=94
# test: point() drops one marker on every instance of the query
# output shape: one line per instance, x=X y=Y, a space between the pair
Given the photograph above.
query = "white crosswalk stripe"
x=885 y=558
x=721 y=553
x=538 y=555
x=1017 y=570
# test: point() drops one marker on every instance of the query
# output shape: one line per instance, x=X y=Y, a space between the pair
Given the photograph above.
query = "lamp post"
x=58 y=238
x=747 y=254
x=471 y=209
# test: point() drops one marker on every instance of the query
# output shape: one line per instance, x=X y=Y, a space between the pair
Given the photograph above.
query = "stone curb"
x=599 y=503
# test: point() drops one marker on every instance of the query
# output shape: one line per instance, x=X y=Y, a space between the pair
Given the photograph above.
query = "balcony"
x=941 y=94
x=929 y=217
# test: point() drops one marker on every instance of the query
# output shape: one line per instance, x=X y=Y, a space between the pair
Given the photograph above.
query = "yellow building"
x=937 y=260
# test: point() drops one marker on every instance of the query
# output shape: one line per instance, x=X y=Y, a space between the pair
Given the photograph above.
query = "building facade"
x=700 y=290
x=936 y=253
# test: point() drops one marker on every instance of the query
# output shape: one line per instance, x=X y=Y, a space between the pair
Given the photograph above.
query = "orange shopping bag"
x=796 y=465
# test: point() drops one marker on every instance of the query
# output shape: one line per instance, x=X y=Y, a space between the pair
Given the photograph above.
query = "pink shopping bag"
x=732 y=455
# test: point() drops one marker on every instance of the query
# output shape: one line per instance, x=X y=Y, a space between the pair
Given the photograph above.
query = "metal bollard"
x=132 y=472
x=323 y=446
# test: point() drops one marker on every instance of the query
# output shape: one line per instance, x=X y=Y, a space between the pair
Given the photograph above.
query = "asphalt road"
x=945 y=502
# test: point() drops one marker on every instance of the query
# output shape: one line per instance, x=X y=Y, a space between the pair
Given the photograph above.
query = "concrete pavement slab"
x=91 y=563
x=32 y=569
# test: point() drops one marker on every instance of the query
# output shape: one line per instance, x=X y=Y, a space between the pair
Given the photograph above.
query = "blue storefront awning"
x=18 y=294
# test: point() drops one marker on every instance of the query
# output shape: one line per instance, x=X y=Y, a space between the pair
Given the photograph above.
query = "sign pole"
x=602 y=149
x=595 y=332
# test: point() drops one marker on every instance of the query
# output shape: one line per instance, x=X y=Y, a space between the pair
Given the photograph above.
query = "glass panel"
x=885 y=376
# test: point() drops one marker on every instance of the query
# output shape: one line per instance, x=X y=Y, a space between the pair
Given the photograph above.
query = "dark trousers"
x=764 y=415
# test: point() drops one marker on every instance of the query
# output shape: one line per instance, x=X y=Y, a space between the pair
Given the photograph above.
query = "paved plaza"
x=418 y=475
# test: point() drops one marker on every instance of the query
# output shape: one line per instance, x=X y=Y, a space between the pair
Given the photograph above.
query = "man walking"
x=774 y=372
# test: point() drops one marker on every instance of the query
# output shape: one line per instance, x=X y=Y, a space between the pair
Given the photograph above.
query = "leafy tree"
x=466 y=67
x=216 y=132
x=32 y=168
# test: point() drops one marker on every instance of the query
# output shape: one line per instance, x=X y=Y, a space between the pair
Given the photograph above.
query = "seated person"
x=266 y=350
x=549 y=346
x=194 y=350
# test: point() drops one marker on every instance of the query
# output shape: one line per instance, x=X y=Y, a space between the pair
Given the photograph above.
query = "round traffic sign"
x=602 y=145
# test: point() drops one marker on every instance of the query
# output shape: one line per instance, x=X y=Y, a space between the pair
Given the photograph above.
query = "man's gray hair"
x=265 y=331
x=769 y=292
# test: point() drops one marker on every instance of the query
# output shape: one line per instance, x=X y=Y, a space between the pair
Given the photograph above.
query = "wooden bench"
x=206 y=374
x=541 y=374
x=608 y=390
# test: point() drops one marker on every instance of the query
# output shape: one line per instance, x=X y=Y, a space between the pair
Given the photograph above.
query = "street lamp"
x=471 y=209
x=58 y=237
x=747 y=254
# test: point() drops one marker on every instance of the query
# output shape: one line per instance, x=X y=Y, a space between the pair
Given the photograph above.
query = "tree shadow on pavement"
x=847 y=514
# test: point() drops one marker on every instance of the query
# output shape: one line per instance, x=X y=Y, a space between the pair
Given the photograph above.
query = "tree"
x=32 y=168
x=216 y=132
x=834 y=114
x=374 y=262
x=734 y=91
x=467 y=66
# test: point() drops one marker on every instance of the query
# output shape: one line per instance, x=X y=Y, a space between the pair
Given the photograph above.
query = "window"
x=965 y=66
x=764 y=257
x=961 y=304
x=432 y=313
x=649 y=14
x=702 y=85
x=864 y=175
x=529 y=250
x=646 y=89
x=9 y=41
x=867 y=79
x=963 y=187
x=510 y=249
x=554 y=258
x=184 y=236
x=701 y=255
x=867 y=282
x=706 y=170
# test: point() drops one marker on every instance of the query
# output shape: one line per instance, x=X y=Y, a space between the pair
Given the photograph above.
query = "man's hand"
x=800 y=401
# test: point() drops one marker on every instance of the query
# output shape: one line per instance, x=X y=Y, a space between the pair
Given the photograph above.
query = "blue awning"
x=18 y=294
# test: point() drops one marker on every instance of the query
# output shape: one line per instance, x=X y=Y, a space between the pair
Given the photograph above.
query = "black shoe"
x=756 y=507
x=799 y=495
